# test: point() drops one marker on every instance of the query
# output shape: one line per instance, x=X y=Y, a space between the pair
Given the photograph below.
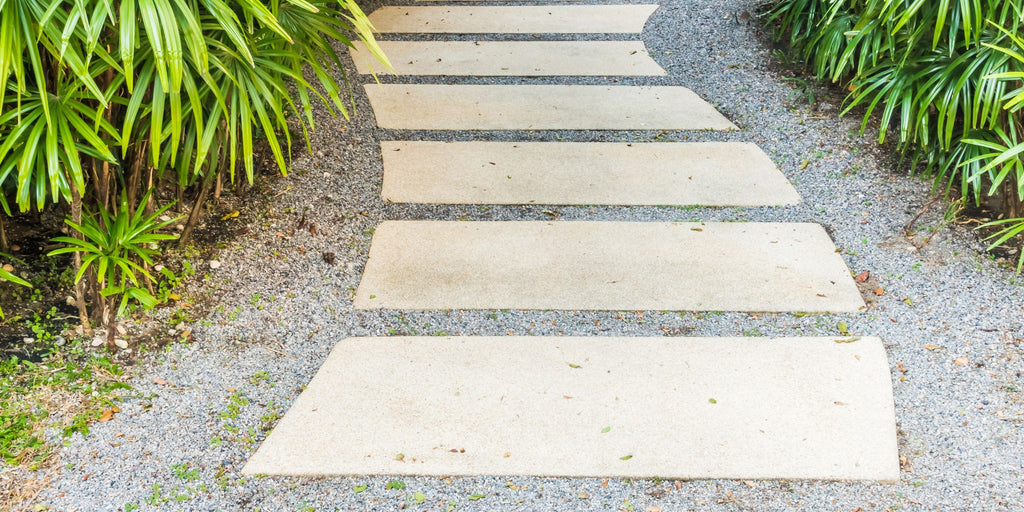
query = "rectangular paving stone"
x=682 y=266
x=657 y=173
x=677 y=408
x=541 y=107
x=512 y=58
x=520 y=19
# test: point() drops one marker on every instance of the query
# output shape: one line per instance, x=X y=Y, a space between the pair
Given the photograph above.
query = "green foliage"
x=171 y=84
x=102 y=100
x=118 y=244
x=7 y=276
x=945 y=74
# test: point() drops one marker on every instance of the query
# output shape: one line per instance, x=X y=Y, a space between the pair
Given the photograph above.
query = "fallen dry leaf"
x=878 y=291
x=604 y=483
x=863 y=276
x=652 y=508
x=931 y=347
x=961 y=361
x=160 y=381
x=108 y=414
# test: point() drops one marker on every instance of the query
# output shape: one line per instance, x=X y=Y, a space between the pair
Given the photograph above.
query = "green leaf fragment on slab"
x=626 y=457
x=606 y=430
x=847 y=340
x=571 y=365
x=712 y=401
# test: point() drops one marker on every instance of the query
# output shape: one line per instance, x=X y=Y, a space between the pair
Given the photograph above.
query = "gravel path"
x=951 y=319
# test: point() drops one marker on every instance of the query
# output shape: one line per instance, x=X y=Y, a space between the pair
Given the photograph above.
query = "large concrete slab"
x=605 y=266
x=512 y=58
x=520 y=19
x=688 y=408
x=658 y=173
x=541 y=107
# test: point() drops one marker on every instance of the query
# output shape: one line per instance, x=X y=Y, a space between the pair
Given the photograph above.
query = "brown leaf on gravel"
x=160 y=381
x=878 y=291
x=961 y=361
x=108 y=414
x=863 y=276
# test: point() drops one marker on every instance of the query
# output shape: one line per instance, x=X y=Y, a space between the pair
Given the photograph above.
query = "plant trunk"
x=3 y=233
x=111 y=328
x=197 y=208
x=76 y=217
x=150 y=205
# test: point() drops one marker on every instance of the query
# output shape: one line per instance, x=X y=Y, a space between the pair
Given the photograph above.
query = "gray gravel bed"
x=950 y=316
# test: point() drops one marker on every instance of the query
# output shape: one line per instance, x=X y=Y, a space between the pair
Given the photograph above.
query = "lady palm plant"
x=939 y=72
x=102 y=100
x=117 y=248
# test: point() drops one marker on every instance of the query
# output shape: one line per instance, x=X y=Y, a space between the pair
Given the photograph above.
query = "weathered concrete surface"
x=541 y=107
x=688 y=408
x=657 y=173
x=511 y=58
x=605 y=266
x=519 y=19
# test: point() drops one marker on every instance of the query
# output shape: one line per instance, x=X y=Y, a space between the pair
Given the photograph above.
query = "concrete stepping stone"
x=605 y=266
x=522 y=19
x=513 y=58
x=657 y=173
x=541 y=107
x=686 y=408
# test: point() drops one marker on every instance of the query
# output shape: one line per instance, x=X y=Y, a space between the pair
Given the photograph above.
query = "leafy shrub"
x=104 y=100
x=945 y=74
x=10 y=277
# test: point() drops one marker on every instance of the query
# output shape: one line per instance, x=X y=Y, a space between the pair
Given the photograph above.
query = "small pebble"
x=214 y=264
